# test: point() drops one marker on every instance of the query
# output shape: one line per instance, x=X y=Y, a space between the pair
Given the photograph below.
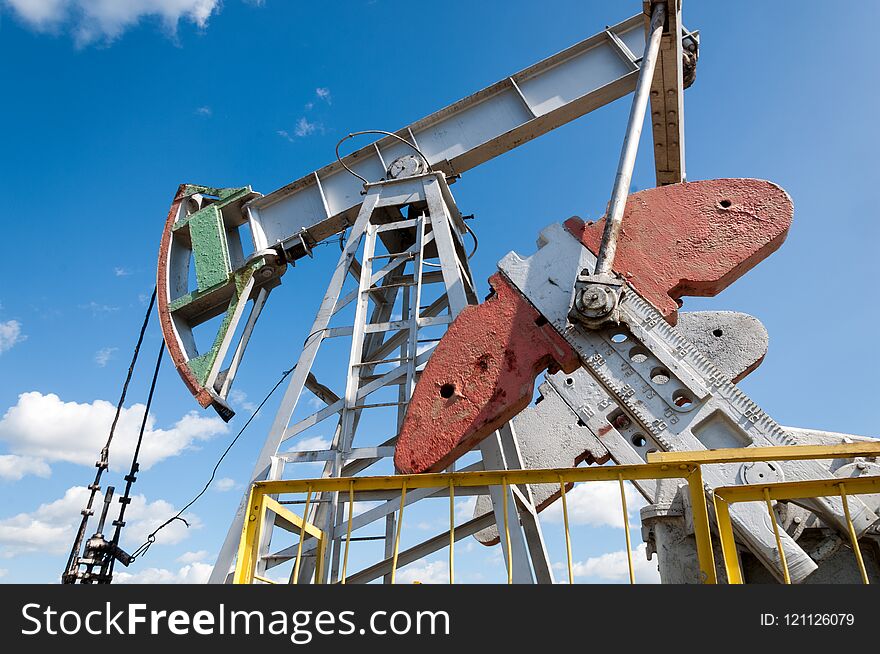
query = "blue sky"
x=107 y=109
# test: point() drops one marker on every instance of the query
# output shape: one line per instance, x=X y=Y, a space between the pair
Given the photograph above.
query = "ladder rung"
x=385 y=287
x=396 y=382
x=377 y=405
x=311 y=501
x=379 y=362
x=408 y=255
x=309 y=554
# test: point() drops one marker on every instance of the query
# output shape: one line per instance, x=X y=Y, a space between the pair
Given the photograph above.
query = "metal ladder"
x=410 y=236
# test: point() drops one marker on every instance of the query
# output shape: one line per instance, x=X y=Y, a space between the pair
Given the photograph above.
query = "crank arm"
x=553 y=432
x=557 y=431
x=700 y=237
x=694 y=408
x=693 y=238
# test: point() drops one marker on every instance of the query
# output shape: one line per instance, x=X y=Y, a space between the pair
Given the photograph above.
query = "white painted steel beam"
x=667 y=102
x=513 y=111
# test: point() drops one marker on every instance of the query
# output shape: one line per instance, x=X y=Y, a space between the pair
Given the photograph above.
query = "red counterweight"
x=694 y=238
x=490 y=358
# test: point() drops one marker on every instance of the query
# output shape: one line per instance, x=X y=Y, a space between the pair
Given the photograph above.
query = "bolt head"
x=597 y=301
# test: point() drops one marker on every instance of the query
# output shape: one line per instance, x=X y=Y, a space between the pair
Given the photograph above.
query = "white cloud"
x=304 y=127
x=143 y=517
x=121 y=272
x=10 y=334
x=309 y=444
x=426 y=572
x=239 y=399
x=44 y=426
x=224 y=484
x=204 y=111
x=464 y=509
x=50 y=528
x=14 y=467
x=39 y=13
x=597 y=503
x=323 y=93
x=99 y=309
x=192 y=557
x=193 y=573
x=93 y=20
x=363 y=507
x=613 y=566
x=3 y=572
x=103 y=356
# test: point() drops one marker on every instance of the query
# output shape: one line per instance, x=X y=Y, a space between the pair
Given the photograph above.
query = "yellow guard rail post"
x=249 y=547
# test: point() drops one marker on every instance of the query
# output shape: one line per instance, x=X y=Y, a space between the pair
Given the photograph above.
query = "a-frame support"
x=412 y=280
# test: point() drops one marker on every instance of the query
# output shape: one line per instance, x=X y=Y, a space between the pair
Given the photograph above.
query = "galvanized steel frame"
x=368 y=346
x=471 y=131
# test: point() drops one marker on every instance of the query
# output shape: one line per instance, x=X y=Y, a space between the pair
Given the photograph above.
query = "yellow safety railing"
x=260 y=501
x=661 y=465
x=724 y=496
x=796 y=490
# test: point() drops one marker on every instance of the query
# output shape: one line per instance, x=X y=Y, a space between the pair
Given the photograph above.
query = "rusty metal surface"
x=683 y=239
x=178 y=356
x=551 y=434
x=201 y=236
x=694 y=238
x=485 y=374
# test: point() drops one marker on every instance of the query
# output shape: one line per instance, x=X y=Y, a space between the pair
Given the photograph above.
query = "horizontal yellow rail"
x=799 y=490
x=260 y=500
x=480 y=478
x=781 y=452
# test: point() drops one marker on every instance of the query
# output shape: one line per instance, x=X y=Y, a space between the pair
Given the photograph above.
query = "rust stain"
x=486 y=366
x=203 y=397
x=694 y=238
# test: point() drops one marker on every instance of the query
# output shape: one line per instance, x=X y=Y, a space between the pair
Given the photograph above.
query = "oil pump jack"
x=596 y=306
